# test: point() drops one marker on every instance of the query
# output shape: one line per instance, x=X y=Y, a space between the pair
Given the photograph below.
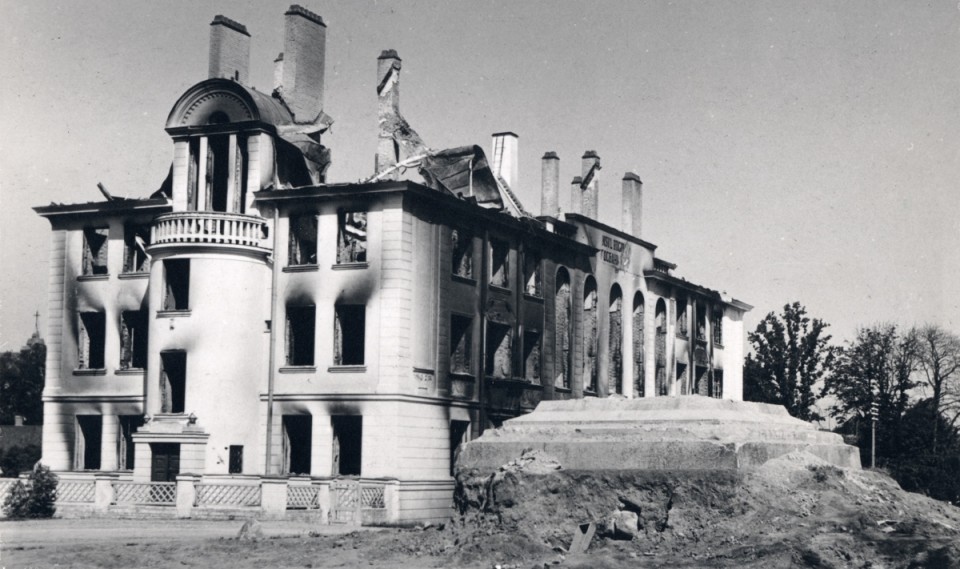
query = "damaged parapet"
x=550 y=185
x=590 y=184
x=632 y=204
x=396 y=140
x=303 y=63
x=506 y=157
x=229 y=50
x=576 y=197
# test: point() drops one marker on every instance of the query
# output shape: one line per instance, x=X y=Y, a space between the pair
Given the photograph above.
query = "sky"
x=790 y=151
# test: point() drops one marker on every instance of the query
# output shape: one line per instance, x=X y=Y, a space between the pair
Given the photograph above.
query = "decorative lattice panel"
x=76 y=491
x=346 y=502
x=303 y=497
x=5 y=486
x=371 y=497
x=228 y=495
x=162 y=493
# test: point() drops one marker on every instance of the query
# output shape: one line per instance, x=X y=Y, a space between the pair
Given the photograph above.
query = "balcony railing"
x=210 y=227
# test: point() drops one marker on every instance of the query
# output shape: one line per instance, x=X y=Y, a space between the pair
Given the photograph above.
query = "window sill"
x=557 y=389
x=96 y=371
x=499 y=288
x=173 y=313
x=301 y=268
x=533 y=297
x=350 y=266
x=93 y=277
x=130 y=371
x=299 y=369
x=718 y=345
x=464 y=279
x=463 y=375
x=137 y=275
x=347 y=369
x=682 y=337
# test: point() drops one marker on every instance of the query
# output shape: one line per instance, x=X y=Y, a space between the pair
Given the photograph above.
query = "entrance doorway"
x=165 y=463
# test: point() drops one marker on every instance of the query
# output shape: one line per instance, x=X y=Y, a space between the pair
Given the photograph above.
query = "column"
x=231 y=174
x=202 y=175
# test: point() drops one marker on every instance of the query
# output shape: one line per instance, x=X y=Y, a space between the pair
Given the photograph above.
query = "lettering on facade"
x=615 y=252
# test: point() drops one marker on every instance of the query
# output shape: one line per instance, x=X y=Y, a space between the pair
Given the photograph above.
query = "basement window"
x=129 y=424
x=136 y=238
x=297 y=444
x=303 y=240
x=531 y=356
x=95 y=251
x=462 y=244
x=461 y=338
x=499 y=354
x=351 y=237
x=89 y=430
x=532 y=275
x=176 y=275
x=92 y=340
x=300 y=335
x=173 y=381
x=347 y=444
x=349 y=334
x=133 y=340
x=499 y=263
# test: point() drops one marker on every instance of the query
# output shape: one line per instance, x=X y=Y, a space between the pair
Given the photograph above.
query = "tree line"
x=905 y=379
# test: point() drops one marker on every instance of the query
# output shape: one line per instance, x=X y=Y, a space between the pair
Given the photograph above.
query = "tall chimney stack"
x=304 y=57
x=229 y=49
x=506 y=157
x=388 y=109
x=550 y=185
x=590 y=183
x=278 y=72
x=576 y=197
x=632 y=204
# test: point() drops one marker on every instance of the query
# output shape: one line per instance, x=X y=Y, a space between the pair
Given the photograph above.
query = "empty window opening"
x=499 y=263
x=682 y=318
x=462 y=243
x=590 y=335
x=129 y=424
x=347 y=444
x=176 y=274
x=95 y=251
x=461 y=338
x=93 y=331
x=193 y=173
x=531 y=356
x=701 y=323
x=297 y=443
x=615 y=343
x=217 y=172
x=716 y=387
x=301 y=332
x=89 y=432
x=136 y=238
x=133 y=340
x=660 y=348
x=499 y=354
x=682 y=378
x=235 y=463
x=532 y=275
x=701 y=385
x=352 y=237
x=638 y=369
x=459 y=434
x=562 y=330
x=164 y=463
x=303 y=240
x=173 y=382
x=717 y=326
x=349 y=334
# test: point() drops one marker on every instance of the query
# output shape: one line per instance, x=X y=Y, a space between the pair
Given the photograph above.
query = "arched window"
x=661 y=347
x=638 y=372
x=590 y=333
x=562 y=329
x=615 y=342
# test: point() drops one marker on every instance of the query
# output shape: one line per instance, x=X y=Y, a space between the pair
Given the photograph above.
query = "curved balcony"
x=210 y=228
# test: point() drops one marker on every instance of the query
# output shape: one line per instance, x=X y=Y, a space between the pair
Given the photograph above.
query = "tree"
x=791 y=355
x=21 y=382
x=940 y=359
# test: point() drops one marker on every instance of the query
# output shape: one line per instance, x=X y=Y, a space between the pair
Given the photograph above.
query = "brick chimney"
x=550 y=185
x=388 y=107
x=576 y=199
x=590 y=183
x=632 y=204
x=304 y=56
x=229 y=49
x=506 y=156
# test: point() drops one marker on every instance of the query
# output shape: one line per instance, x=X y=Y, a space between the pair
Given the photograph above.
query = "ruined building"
x=255 y=335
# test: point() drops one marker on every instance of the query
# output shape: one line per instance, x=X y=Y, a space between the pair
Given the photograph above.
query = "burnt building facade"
x=253 y=320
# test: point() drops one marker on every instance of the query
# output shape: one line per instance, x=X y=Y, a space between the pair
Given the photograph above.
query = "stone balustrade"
x=210 y=228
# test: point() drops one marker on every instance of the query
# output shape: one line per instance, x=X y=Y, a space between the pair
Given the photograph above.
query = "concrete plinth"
x=662 y=433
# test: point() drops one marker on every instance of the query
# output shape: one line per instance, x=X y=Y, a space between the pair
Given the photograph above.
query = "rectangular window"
x=95 y=251
x=236 y=460
x=301 y=332
x=133 y=340
x=135 y=241
x=176 y=274
x=532 y=274
x=129 y=424
x=717 y=386
x=462 y=245
x=499 y=362
x=682 y=379
x=92 y=340
x=351 y=237
x=459 y=434
x=349 y=334
x=303 y=240
x=717 y=326
x=682 y=318
x=173 y=382
x=461 y=338
x=297 y=444
x=89 y=432
x=531 y=356
x=499 y=263
x=347 y=444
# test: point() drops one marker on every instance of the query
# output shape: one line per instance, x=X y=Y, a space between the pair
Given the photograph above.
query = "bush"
x=36 y=498
x=18 y=459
